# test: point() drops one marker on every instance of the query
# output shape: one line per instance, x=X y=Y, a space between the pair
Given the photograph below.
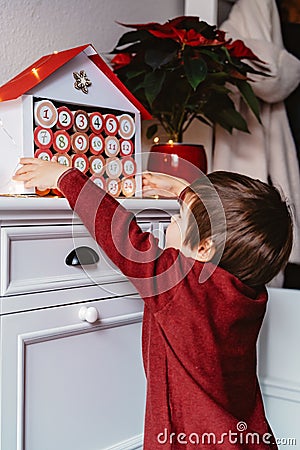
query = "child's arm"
x=43 y=175
x=38 y=173
x=155 y=183
x=114 y=228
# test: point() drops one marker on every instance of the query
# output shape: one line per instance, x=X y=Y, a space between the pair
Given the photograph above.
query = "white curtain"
x=269 y=151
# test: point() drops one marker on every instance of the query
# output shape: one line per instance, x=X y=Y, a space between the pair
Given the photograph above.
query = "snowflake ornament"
x=81 y=81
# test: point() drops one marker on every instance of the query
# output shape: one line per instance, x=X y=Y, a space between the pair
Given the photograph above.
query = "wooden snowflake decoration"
x=81 y=81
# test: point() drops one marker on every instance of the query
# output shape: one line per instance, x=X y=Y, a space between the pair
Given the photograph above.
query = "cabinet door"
x=72 y=385
x=279 y=365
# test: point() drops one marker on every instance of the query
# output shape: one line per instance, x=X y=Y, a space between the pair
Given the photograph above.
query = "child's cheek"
x=173 y=236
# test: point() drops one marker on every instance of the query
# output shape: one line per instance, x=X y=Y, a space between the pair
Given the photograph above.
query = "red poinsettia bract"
x=121 y=60
x=239 y=50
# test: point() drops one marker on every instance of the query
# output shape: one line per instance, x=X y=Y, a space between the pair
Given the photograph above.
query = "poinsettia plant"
x=183 y=70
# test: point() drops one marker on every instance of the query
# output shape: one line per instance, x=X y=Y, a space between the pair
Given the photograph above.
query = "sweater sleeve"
x=115 y=229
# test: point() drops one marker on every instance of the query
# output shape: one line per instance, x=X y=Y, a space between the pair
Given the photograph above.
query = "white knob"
x=88 y=314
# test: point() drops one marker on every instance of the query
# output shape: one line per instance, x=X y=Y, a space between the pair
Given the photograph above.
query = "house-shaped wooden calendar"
x=72 y=105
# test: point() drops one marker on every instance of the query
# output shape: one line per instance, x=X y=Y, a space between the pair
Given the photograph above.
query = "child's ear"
x=206 y=250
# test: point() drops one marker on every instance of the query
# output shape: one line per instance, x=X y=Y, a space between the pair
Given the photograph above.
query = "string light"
x=5 y=182
x=35 y=73
x=156 y=140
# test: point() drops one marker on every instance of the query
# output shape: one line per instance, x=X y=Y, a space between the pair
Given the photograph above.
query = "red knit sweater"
x=199 y=339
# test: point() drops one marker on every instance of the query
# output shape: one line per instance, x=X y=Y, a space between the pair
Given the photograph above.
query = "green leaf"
x=234 y=119
x=137 y=86
x=245 y=69
x=130 y=74
x=249 y=97
x=212 y=55
x=217 y=76
x=131 y=37
x=203 y=120
x=153 y=83
x=221 y=110
x=195 y=70
x=151 y=131
x=156 y=58
x=219 y=88
x=227 y=54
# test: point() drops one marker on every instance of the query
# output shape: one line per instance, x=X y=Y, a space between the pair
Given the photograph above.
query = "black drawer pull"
x=82 y=256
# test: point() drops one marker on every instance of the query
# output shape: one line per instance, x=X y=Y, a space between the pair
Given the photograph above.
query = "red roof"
x=48 y=64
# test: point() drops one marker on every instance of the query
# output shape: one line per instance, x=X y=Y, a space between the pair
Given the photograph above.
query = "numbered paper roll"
x=113 y=187
x=96 y=144
x=43 y=153
x=65 y=118
x=42 y=193
x=126 y=147
x=111 y=125
x=61 y=141
x=64 y=160
x=56 y=192
x=128 y=187
x=45 y=114
x=99 y=181
x=81 y=121
x=128 y=166
x=96 y=122
x=43 y=137
x=97 y=164
x=126 y=126
x=80 y=162
x=112 y=146
x=80 y=142
x=113 y=167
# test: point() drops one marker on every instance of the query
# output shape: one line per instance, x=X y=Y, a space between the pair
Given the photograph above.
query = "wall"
x=33 y=28
x=213 y=11
x=207 y=10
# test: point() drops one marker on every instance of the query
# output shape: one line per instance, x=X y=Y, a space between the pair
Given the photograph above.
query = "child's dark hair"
x=259 y=232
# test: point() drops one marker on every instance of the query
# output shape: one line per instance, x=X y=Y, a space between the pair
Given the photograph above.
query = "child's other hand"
x=38 y=173
x=161 y=184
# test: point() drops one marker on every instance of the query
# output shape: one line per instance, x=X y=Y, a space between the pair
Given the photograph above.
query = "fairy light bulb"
x=156 y=140
x=35 y=72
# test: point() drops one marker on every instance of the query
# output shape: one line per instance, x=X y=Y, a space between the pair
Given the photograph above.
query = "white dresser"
x=66 y=383
x=279 y=366
x=70 y=384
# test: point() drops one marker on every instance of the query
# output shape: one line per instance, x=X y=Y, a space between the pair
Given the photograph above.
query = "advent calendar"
x=71 y=105
x=97 y=142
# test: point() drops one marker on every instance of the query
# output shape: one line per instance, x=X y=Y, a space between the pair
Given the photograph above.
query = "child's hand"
x=155 y=183
x=38 y=173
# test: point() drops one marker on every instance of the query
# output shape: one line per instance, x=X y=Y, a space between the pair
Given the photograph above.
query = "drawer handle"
x=82 y=256
x=89 y=315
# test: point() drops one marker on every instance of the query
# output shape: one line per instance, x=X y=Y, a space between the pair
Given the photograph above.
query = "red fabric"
x=199 y=339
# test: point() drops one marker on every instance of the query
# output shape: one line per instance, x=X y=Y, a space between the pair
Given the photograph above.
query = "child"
x=201 y=320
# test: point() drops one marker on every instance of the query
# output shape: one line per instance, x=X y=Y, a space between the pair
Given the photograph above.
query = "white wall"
x=33 y=28
x=207 y=10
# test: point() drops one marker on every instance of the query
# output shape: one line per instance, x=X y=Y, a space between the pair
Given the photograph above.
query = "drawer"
x=33 y=259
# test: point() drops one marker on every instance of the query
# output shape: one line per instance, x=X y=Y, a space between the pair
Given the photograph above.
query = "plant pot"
x=187 y=161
